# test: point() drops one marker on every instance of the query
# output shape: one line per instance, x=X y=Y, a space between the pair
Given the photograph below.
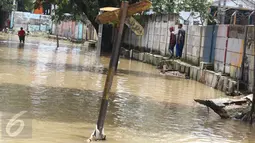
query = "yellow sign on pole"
x=139 y=7
x=134 y=26
x=113 y=16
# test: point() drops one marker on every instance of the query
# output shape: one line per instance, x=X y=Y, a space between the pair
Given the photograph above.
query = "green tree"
x=175 y=6
x=79 y=8
x=6 y=5
x=28 y=5
x=200 y=6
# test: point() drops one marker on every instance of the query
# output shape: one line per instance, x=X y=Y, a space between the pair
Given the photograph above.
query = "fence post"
x=154 y=22
x=99 y=42
x=212 y=43
x=161 y=17
x=186 y=42
x=226 y=51
x=240 y=77
x=200 y=44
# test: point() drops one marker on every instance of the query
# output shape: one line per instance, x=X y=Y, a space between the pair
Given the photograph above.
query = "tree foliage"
x=175 y=6
x=6 y=5
x=79 y=8
x=25 y=5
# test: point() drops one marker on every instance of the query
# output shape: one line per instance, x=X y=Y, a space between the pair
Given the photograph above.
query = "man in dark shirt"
x=180 y=41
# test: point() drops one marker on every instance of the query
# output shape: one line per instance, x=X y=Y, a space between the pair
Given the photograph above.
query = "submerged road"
x=60 y=90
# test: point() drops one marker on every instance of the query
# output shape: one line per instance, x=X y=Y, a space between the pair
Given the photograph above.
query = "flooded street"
x=62 y=90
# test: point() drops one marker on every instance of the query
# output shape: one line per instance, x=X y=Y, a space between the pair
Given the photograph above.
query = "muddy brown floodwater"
x=62 y=89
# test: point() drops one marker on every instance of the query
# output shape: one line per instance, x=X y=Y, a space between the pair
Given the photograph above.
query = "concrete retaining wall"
x=207 y=77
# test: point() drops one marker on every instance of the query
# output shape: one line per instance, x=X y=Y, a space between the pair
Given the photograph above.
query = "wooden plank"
x=216 y=108
x=224 y=107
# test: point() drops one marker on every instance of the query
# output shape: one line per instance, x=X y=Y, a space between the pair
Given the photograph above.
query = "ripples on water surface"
x=62 y=90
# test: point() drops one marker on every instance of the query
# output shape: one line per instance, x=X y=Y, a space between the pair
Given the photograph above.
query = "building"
x=236 y=11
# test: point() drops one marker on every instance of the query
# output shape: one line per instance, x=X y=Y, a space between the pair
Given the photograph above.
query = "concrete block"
x=148 y=58
x=199 y=74
x=221 y=83
x=135 y=55
x=225 y=84
x=141 y=56
x=145 y=57
x=251 y=79
x=177 y=66
x=130 y=54
x=125 y=52
x=232 y=86
x=215 y=80
x=165 y=58
x=235 y=45
x=237 y=31
x=182 y=68
x=218 y=66
x=194 y=72
x=157 y=59
x=169 y=64
x=206 y=66
x=191 y=72
x=209 y=77
x=187 y=70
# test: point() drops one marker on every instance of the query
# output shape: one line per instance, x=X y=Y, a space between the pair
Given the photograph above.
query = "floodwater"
x=61 y=90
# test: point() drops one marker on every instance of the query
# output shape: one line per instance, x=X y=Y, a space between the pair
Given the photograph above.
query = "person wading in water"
x=22 y=35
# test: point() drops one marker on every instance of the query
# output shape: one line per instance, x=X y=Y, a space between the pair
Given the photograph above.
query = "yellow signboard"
x=113 y=16
x=107 y=17
x=134 y=26
x=139 y=7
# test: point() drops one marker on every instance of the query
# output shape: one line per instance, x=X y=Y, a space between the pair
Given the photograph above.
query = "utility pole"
x=219 y=12
x=99 y=42
x=223 y=12
x=12 y=15
x=98 y=134
x=56 y=27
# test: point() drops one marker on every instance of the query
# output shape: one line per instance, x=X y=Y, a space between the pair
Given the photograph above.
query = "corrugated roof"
x=237 y=4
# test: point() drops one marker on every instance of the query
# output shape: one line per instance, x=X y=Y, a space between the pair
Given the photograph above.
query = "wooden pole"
x=98 y=134
x=223 y=12
x=219 y=12
x=99 y=42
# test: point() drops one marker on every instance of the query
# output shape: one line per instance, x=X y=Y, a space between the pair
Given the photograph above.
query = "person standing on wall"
x=180 y=41
x=172 y=42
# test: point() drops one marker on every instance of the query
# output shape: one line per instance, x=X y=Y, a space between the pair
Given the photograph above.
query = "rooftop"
x=238 y=4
